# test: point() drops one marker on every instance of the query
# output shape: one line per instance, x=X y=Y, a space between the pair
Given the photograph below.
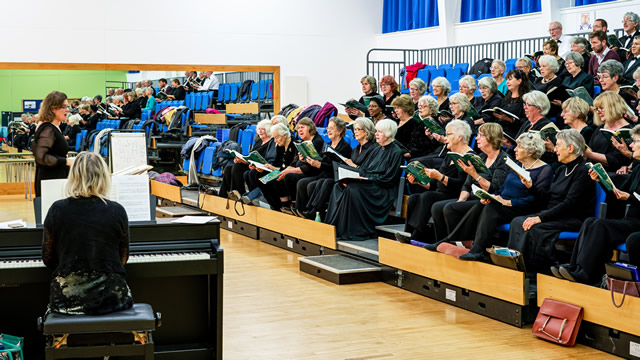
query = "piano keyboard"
x=133 y=259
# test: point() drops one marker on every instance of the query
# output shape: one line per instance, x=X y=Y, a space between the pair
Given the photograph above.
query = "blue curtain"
x=473 y=10
x=400 y=15
x=589 y=2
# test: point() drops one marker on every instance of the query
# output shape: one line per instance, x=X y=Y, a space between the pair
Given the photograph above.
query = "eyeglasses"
x=569 y=63
x=604 y=76
x=382 y=85
x=355 y=129
x=553 y=29
x=599 y=109
x=463 y=87
x=422 y=106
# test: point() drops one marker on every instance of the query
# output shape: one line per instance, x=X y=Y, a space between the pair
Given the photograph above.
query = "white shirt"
x=564 y=46
x=601 y=57
x=211 y=83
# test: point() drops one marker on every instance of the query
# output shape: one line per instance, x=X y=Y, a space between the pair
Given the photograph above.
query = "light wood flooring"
x=274 y=311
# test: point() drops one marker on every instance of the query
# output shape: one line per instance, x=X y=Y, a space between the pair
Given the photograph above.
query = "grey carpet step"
x=340 y=269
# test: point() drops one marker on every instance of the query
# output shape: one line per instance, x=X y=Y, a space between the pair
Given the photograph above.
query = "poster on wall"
x=31 y=106
x=585 y=21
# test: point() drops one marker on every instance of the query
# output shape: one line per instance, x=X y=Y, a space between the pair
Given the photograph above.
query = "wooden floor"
x=274 y=311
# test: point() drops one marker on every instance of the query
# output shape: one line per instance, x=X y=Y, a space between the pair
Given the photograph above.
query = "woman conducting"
x=357 y=207
x=49 y=145
x=86 y=244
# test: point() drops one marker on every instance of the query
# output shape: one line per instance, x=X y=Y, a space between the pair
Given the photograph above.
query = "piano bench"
x=126 y=332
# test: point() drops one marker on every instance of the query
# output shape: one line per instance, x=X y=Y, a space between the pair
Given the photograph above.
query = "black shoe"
x=472 y=256
x=565 y=273
x=403 y=238
x=433 y=247
x=311 y=215
x=556 y=272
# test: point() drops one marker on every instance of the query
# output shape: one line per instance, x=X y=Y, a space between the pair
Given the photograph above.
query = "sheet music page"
x=52 y=191
x=132 y=192
x=194 y=219
x=345 y=173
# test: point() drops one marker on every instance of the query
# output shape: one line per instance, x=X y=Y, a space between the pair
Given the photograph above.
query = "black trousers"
x=233 y=179
x=490 y=217
x=594 y=247
x=453 y=213
x=419 y=213
x=304 y=189
x=537 y=245
x=320 y=194
x=291 y=184
x=633 y=248
x=251 y=178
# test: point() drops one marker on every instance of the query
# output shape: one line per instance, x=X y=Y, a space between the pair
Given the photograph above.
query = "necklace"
x=530 y=166
x=570 y=172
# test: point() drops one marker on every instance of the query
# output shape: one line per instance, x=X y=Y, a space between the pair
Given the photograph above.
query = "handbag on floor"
x=509 y=258
x=558 y=322
x=631 y=288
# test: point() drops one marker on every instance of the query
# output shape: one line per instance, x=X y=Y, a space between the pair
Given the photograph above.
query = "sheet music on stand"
x=127 y=150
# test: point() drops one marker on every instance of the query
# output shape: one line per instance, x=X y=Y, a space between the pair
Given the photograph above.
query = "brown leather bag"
x=558 y=322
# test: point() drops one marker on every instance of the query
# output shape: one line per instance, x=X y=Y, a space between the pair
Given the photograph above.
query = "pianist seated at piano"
x=86 y=244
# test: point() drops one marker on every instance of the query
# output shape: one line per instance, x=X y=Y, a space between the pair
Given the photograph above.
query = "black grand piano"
x=177 y=268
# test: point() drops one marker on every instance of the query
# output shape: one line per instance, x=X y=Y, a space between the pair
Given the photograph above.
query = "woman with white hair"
x=498 y=68
x=358 y=205
x=441 y=89
x=569 y=201
x=417 y=88
x=489 y=98
x=460 y=105
x=548 y=69
x=72 y=129
x=446 y=184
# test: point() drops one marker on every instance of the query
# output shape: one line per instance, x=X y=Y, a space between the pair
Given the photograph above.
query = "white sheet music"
x=127 y=149
x=347 y=174
x=132 y=192
x=52 y=191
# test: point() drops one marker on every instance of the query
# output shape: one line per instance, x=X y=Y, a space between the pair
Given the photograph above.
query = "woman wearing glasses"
x=497 y=69
x=389 y=89
x=548 y=68
x=610 y=75
x=490 y=98
x=610 y=111
x=576 y=77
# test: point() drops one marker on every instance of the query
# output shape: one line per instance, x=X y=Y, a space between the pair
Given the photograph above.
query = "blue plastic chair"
x=483 y=76
x=247 y=139
x=424 y=75
x=510 y=64
x=596 y=90
x=79 y=137
x=225 y=135
x=207 y=160
x=462 y=68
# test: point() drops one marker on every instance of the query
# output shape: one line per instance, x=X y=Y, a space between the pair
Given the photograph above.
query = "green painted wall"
x=16 y=85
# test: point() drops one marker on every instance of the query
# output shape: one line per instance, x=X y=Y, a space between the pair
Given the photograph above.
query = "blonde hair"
x=89 y=176
x=493 y=133
x=613 y=105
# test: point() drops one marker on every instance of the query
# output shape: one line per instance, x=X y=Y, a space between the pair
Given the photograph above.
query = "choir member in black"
x=434 y=147
x=376 y=109
x=389 y=89
x=576 y=77
x=357 y=207
x=300 y=169
x=369 y=89
x=550 y=47
x=575 y=112
x=49 y=145
x=141 y=99
x=467 y=86
x=548 y=68
x=524 y=64
x=632 y=64
x=86 y=244
x=447 y=214
x=515 y=196
x=441 y=89
x=610 y=75
x=580 y=45
x=336 y=130
x=177 y=91
x=446 y=184
x=569 y=201
x=518 y=85
x=251 y=177
x=130 y=109
x=72 y=129
x=633 y=248
x=610 y=111
x=417 y=88
x=85 y=111
x=536 y=106
x=286 y=155
x=407 y=127
x=599 y=237
x=459 y=105
x=490 y=98
x=233 y=179
x=92 y=121
x=364 y=132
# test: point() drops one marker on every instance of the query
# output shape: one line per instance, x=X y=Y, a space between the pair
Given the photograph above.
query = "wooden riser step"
x=367 y=249
x=177 y=211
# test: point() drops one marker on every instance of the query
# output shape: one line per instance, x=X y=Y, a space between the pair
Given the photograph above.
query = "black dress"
x=516 y=107
x=600 y=144
x=357 y=208
x=598 y=237
x=86 y=240
x=406 y=131
x=71 y=132
x=291 y=180
x=321 y=192
x=554 y=110
x=233 y=174
x=494 y=101
x=131 y=110
x=275 y=189
x=388 y=110
x=582 y=79
x=361 y=101
x=571 y=199
x=50 y=152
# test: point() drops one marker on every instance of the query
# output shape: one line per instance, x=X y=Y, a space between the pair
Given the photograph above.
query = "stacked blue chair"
x=227 y=93
x=439 y=72
x=225 y=135
x=221 y=90
x=483 y=76
x=511 y=64
x=233 y=96
x=217 y=172
x=207 y=160
x=596 y=90
x=79 y=137
x=255 y=91
x=462 y=68
x=348 y=133
x=187 y=99
x=197 y=101
x=424 y=75
x=246 y=142
x=354 y=143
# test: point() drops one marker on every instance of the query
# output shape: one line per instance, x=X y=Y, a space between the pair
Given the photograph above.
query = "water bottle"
x=318 y=219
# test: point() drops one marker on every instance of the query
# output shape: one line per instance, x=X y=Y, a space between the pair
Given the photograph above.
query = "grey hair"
x=366 y=125
x=465 y=104
x=139 y=91
x=280 y=130
x=459 y=127
x=388 y=127
x=558 y=24
x=490 y=83
x=525 y=60
x=539 y=100
x=635 y=131
x=633 y=16
x=572 y=137
x=532 y=143
x=576 y=58
x=580 y=41
x=500 y=63
x=469 y=81
x=422 y=87
x=431 y=103
x=612 y=67
x=441 y=81
x=371 y=81
x=266 y=125
x=281 y=119
x=550 y=61
x=74 y=119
